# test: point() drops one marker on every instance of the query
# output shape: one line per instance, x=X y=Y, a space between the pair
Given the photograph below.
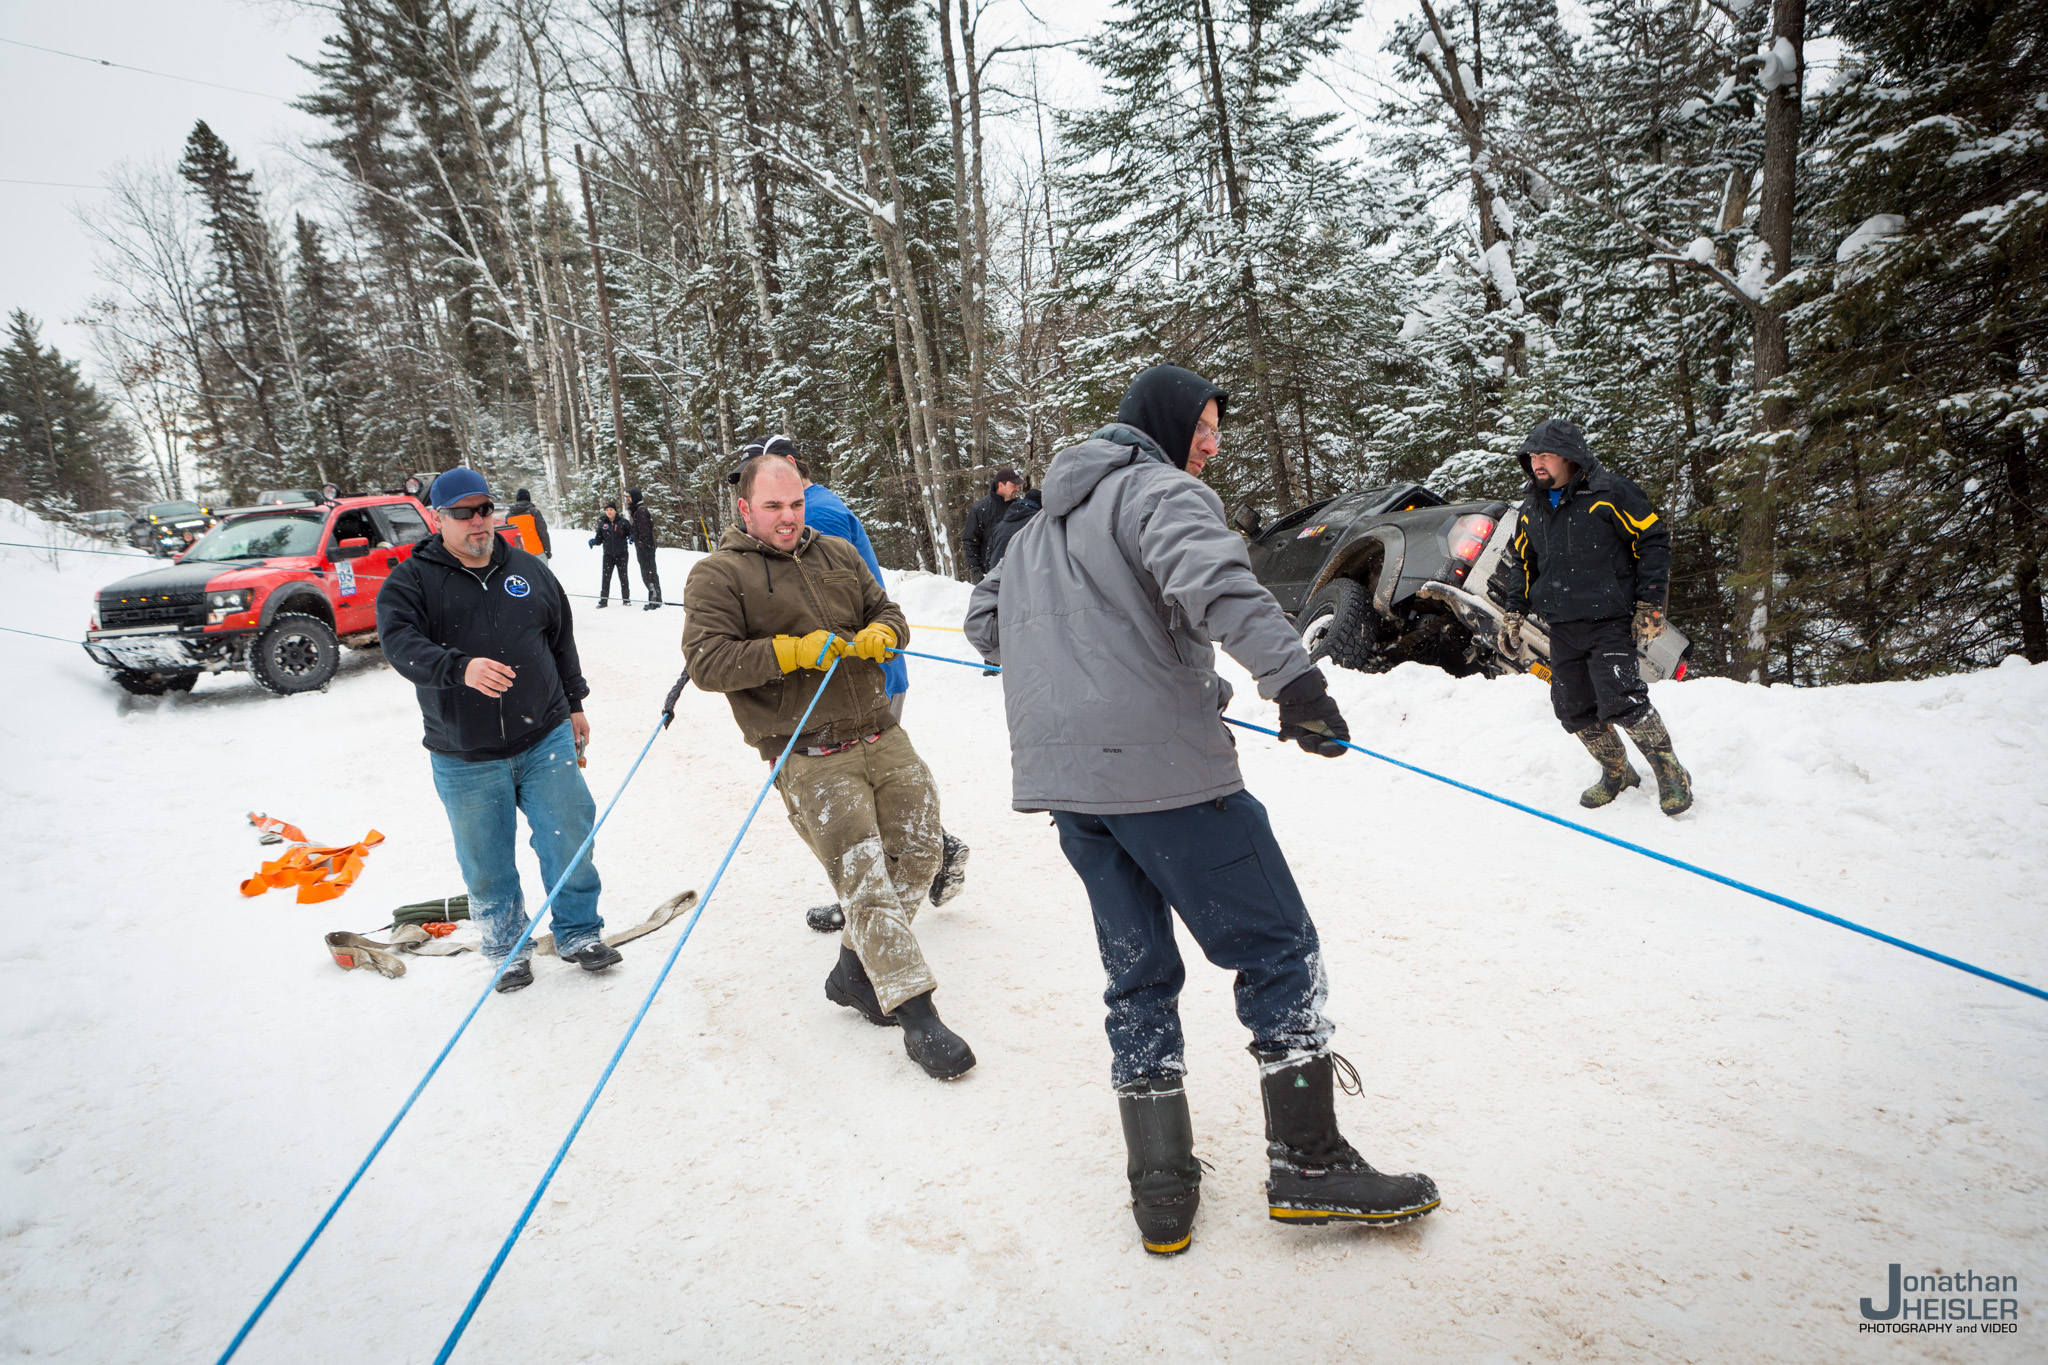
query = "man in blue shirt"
x=827 y=513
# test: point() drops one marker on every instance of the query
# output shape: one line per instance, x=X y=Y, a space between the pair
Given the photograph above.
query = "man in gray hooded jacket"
x=1101 y=615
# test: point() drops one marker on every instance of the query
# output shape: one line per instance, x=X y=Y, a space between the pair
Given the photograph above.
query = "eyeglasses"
x=1203 y=429
x=482 y=509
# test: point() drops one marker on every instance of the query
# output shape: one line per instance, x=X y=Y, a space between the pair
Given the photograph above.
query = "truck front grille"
x=153 y=609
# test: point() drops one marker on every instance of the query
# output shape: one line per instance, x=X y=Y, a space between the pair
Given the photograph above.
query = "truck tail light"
x=1469 y=535
x=1683 y=668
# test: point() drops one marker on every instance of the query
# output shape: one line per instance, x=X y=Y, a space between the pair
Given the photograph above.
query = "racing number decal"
x=345 y=578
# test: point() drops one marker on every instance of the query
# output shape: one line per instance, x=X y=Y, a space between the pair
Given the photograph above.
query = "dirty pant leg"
x=615 y=566
x=1218 y=865
x=832 y=806
x=559 y=813
x=907 y=810
x=482 y=803
x=648 y=576
x=1594 y=679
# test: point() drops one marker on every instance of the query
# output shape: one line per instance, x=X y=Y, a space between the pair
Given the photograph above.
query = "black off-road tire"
x=1339 y=624
x=295 y=653
x=141 y=684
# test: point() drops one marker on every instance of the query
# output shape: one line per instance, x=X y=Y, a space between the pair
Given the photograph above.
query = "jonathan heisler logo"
x=1961 y=1301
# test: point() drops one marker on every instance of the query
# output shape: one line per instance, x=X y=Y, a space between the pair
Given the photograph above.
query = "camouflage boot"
x=1617 y=775
x=1674 y=785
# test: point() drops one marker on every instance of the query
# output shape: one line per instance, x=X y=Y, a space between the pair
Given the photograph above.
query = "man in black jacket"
x=613 y=536
x=643 y=543
x=483 y=632
x=1022 y=508
x=1592 y=558
x=982 y=518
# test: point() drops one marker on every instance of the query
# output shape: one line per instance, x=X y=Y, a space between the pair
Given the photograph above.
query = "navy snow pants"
x=1218 y=865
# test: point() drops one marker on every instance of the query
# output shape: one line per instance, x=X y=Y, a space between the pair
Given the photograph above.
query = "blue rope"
x=1696 y=870
x=533 y=1202
x=446 y=1048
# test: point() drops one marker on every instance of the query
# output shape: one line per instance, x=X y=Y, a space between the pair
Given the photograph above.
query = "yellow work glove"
x=808 y=651
x=874 y=642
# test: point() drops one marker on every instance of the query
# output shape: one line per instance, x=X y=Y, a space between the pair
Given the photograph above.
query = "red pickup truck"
x=275 y=592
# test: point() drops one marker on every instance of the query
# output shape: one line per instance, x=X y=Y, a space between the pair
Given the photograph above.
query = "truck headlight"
x=222 y=605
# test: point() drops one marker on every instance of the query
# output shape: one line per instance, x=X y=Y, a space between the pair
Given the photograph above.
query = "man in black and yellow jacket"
x=1592 y=559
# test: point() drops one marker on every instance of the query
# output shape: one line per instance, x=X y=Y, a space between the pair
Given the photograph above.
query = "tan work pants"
x=871 y=815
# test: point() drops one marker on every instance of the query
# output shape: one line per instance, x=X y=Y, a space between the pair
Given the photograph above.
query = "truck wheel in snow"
x=296 y=653
x=1339 y=624
x=140 y=684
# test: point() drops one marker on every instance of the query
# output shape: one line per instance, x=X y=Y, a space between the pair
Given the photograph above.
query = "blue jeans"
x=1218 y=865
x=481 y=800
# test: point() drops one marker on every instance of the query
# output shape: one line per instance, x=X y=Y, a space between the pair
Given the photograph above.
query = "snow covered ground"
x=1670 y=1121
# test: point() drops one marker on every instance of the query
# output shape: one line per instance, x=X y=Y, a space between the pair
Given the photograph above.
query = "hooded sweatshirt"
x=1593 y=553
x=1165 y=402
x=1102 y=615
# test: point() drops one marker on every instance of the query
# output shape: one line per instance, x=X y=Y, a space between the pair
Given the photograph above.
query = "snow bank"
x=1671 y=1122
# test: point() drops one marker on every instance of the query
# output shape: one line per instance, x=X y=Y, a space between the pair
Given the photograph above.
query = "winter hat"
x=1165 y=402
x=609 y=503
x=1559 y=437
x=457 y=484
x=632 y=495
x=522 y=496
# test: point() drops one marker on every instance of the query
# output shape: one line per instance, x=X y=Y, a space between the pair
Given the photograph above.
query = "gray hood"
x=1077 y=470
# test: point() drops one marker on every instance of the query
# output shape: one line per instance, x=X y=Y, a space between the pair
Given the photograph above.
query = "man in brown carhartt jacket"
x=764 y=616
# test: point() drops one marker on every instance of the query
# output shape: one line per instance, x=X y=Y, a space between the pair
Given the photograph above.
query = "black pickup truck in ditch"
x=1381 y=576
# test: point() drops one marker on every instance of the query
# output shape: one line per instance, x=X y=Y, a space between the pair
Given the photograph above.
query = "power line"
x=53 y=184
x=141 y=71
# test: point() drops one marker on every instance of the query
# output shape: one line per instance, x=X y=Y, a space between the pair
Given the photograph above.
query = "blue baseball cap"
x=457 y=484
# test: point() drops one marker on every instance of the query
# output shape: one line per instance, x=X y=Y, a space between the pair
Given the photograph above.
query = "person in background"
x=613 y=535
x=1021 y=509
x=827 y=513
x=982 y=518
x=532 y=525
x=1592 y=559
x=643 y=545
x=763 y=617
x=1102 y=615
x=483 y=632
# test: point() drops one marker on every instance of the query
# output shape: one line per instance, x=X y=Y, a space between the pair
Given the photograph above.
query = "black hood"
x=1164 y=402
x=185 y=576
x=1559 y=437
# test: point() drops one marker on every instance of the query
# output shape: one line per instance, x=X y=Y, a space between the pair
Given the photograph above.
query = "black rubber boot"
x=1674 y=784
x=1166 y=1180
x=1617 y=774
x=596 y=957
x=942 y=1053
x=517 y=977
x=1316 y=1175
x=826 y=919
x=849 y=986
x=952 y=870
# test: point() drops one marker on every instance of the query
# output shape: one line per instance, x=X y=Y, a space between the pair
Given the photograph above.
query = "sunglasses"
x=465 y=513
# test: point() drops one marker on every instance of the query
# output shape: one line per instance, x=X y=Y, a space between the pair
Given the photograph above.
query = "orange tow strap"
x=321 y=874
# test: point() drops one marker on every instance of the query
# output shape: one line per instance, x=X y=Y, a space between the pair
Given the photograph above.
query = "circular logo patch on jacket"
x=517 y=586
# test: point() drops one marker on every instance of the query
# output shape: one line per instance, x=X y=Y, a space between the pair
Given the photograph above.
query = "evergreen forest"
x=585 y=247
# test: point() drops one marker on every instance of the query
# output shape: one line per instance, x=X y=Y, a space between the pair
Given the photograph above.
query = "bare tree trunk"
x=965 y=197
x=604 y=322
x=1770 y=348
x=1285 y=485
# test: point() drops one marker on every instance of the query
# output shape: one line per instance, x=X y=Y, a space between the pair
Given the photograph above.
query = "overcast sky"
x=71 y=120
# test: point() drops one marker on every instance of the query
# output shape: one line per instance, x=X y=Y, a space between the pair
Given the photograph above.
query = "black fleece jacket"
x=1600 y=551
x=435 y=614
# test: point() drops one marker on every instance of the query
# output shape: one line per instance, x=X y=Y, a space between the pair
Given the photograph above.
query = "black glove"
x=1310 y=718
